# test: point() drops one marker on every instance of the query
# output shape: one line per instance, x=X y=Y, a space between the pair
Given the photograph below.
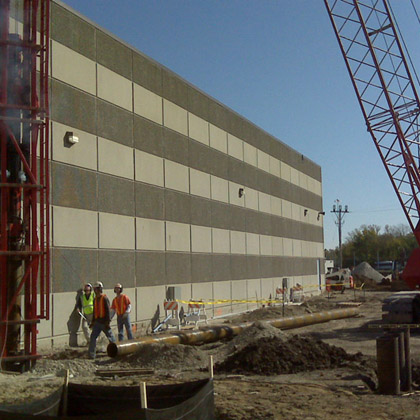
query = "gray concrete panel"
x=113 y=55
x=218 y=115
x=252 y=221
x=250 y=176
x=71 y=268
x=236 y=170
x=114 y=123
x=264 y=182
x=267 y=267
x=150 y=269
x=72 y=107
x=220 y=215
x=253 y=267
x=265 y=224
x=115 y=195
x=150 y=201
x=148 y=136
x=116 y=267
x=73 y=187
x=199 y=156
x=178 y=267
x=238 y=218
x=201 y=268
x=200 y=211
x=198 y=103
x=177 y=207
x=221 y=267
x=174 y=89
x=175 y=146
x=146 y=73
x=72 y=31
x=238 y=267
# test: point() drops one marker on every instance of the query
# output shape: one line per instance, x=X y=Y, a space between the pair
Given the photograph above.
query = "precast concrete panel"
x=198 y=129
x=147 y=104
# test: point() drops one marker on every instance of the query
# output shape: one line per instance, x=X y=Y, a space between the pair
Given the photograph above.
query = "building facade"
x=166 y=186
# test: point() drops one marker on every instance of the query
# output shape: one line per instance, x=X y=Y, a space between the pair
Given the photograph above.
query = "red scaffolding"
x=24 y=177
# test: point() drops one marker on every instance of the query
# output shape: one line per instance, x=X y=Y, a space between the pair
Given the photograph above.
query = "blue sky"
x=278 y=64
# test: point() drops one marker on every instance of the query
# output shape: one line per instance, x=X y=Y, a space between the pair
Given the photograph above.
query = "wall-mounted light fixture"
x=305 y=212
x=70 y=139
x=241 y=192
x=320 y=213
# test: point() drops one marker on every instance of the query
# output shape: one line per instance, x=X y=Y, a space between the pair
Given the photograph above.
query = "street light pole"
x=339 y=213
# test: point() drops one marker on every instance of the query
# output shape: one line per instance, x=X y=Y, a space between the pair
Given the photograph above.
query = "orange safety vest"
x=120 y=304
x=99 y=307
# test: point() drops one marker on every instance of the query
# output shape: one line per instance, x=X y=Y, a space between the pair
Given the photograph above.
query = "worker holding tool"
x=122 y=306
x=101 y=319
x=84 y=307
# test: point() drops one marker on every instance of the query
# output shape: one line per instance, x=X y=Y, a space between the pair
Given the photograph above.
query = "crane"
x=388 y=99
x=24 y=179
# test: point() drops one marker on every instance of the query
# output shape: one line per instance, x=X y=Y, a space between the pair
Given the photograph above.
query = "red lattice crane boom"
x=24 y=178
x=388 y=98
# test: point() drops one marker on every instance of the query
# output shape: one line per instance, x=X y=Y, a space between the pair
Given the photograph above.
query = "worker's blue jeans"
x=96 y=331
x=124 y=320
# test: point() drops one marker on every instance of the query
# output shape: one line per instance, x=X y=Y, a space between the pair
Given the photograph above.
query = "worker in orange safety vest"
x=101 y=319
x=122 y=306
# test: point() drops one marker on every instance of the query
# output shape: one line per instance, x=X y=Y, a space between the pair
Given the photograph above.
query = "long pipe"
x=209 y=334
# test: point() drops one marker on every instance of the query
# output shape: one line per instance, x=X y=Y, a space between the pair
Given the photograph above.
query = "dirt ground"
x=323 y=371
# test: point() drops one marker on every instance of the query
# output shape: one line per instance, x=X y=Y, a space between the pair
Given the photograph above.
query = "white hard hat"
x=98 y=285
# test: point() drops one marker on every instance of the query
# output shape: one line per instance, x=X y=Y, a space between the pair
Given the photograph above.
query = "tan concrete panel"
x=235 y=147
x=115 y=158
x=286 y=208
x=253 y=292
x=307 y=249
x=222 y=290
x=252 y=243
x=149 y=168
x=178 y=237
x=318 y=188
x=116 y=231
x=176 y=176
x=274 y=166
x=298 y=212
x=250 y=154
x=275 y=206
x=263 y=160
x=285 y=171
x=218 y=138
x=234 y=194
x=303 y=180
x=148 y=104
x=237 y=242
x=150 y=234
x=294 y=176
x=73 y=68
x=297 y=248
x=219 y=189
x=264 y=202
x=62 y=308
x=83 y=154
x=266 y=246
x=148 y=299
x=251 y=199
x=114 y=88
x=74 y=227
x=267 y=288
x=198 y=129
x=239 y=292
x=175 y=117
x=288 y=247
x=201 y=239
x=277 y=246
x=200 y=183
x=220 y=241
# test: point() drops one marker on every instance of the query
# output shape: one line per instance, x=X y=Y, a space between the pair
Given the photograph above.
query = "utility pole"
x=339 y=213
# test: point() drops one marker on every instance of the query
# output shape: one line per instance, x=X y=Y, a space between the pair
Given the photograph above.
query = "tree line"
x=369 y=244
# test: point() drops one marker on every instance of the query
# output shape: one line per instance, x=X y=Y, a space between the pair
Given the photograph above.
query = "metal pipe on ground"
x=210 y=334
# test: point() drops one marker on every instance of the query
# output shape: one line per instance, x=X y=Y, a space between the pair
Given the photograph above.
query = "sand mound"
x=274 y=356
x=364 y=273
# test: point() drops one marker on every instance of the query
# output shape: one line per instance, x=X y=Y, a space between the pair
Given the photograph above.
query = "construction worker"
x=122 y=306
x=84 y=307
x=101 y=319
